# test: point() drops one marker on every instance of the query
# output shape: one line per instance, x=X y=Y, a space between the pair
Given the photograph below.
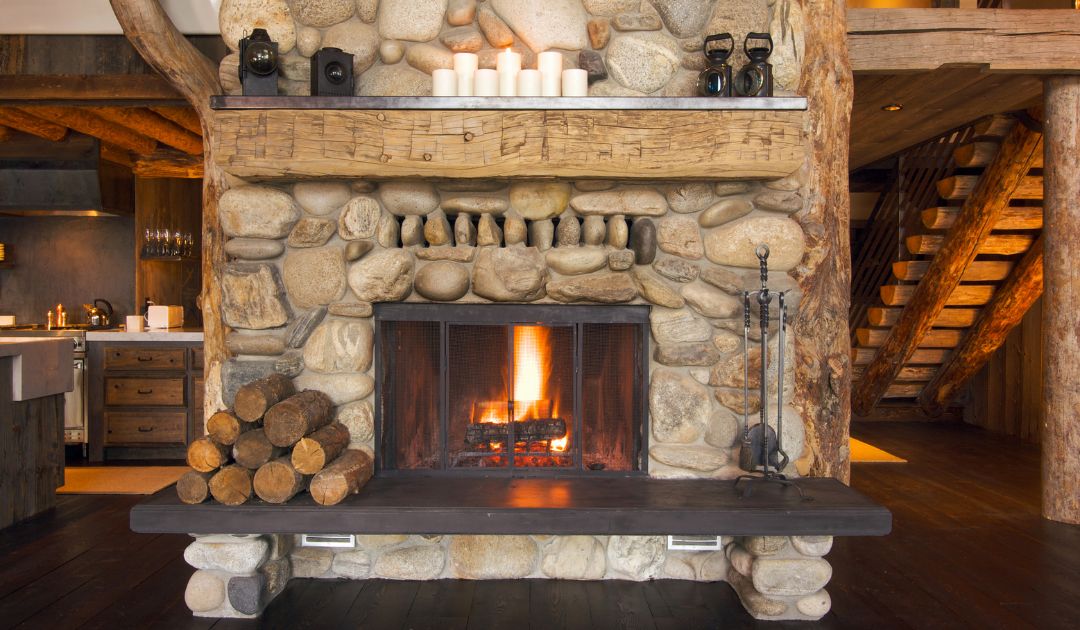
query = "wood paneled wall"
x=84 y=54
x=1006 y=396
x=175 y=204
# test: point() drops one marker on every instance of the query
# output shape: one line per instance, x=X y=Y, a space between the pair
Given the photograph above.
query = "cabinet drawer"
x=197 y=359
x=197 y=397
x=154 y=392
x=121 y=358
x=157 y=427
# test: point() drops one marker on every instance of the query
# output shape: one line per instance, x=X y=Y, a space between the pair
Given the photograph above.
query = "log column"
x=1061 y=305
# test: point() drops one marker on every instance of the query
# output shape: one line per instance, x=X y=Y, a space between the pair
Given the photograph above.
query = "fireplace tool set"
x=762 y=450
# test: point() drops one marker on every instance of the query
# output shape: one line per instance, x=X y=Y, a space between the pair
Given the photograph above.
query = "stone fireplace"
x=602 y=313
x=533 y=293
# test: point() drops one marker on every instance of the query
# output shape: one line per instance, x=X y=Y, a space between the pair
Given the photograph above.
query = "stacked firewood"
x=274 y=443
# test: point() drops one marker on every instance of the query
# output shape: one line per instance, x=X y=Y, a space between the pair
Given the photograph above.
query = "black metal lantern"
x=756 y=77
x=259 y=64
x=331 y=73
x=715 y=79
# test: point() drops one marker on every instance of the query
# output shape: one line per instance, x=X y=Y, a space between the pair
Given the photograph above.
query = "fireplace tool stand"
x=762 y=454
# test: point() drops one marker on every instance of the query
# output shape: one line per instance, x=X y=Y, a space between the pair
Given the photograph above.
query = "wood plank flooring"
x=968 y=551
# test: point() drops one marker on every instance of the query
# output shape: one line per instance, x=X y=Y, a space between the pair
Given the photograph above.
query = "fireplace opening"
x=511 y=389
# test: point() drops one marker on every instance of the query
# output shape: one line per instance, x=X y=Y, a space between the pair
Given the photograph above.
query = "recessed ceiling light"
x=892 y=107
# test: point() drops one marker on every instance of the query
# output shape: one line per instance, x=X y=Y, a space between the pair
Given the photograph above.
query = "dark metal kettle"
x=98 y=317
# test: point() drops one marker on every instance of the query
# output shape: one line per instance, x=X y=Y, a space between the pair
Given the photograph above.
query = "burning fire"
x=532 y=372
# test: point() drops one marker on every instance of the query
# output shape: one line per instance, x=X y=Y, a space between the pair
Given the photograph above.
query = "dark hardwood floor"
x=968 y=550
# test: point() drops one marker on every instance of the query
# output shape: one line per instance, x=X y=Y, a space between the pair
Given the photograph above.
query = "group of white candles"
x=508 y=79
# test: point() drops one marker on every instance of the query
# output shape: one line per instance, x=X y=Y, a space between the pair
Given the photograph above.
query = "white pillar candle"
x=575 y=82
x=528 y=83
x=550 y=64
x=508 y=60
x=466 y=63
x=443 y=82
x=487 y=82
x=466 y=84
x=508 y=64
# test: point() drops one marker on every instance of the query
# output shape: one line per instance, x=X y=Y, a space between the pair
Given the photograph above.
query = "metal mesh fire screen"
x=511 y=389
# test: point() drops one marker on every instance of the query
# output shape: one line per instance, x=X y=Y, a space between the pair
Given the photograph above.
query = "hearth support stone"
x=236 y=575
x=780 y=577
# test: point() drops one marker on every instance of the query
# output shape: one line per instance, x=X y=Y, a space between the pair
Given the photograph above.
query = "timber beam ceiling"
x=99 y=89
x=891 y=41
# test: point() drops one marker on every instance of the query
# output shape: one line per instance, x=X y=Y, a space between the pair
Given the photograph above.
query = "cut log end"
x=344 y=476
x=225 y=428
x=206 y=455
x=193 y=487
x=296 y=416
x=312 y=453
x=278 y=481
x=252 y=449
x=257 y=397
x=231 y=485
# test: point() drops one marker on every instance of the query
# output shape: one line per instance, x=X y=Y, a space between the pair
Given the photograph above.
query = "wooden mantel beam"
x=999 y=40
x=1011 y=301
x=976 y=220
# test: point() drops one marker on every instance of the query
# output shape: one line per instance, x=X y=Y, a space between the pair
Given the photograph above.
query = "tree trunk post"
x=152 y=33
x=820 y=328
x=1061 y=302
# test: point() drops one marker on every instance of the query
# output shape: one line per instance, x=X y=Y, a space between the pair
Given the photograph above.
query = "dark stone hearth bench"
x=764 y=524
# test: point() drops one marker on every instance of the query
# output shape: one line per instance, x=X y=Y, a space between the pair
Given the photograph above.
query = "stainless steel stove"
x=75 y=408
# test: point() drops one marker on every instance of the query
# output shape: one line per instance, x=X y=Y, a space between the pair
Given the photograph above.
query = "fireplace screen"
x=511 y=389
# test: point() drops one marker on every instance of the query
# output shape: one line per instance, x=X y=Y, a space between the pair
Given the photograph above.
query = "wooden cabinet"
x=145 y=398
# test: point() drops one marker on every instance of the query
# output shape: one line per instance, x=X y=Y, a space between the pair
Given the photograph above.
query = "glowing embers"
x=522 y=425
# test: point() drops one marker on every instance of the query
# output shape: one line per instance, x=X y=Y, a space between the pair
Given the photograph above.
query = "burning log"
x=257 y=397
x=344 y=476
x=225 y=428
x=296 y=416
x=231 y=485
x=193 y=487
x=278 y=481
x=206 y=455
x=252 y=449
x=524 y=431
x=315 y=451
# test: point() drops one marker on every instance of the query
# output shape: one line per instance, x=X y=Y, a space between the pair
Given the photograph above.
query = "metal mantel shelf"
x=496 y=103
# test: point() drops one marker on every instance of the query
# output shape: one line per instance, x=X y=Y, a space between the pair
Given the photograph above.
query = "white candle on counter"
x=443 y=82
x=487 y=82
x=550 y=64
x=528 y=83
x=575 y=82
x=508 y=64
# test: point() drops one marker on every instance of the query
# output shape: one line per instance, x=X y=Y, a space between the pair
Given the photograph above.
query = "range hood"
x=69 y=178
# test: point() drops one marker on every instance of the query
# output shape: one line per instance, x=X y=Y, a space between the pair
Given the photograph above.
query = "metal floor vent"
x=695 y=543
x=344 y=541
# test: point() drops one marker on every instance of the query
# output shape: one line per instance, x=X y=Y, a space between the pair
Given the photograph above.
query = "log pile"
x=274 y=444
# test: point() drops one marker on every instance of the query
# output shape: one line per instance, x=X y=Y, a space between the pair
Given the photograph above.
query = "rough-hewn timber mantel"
x=464 y=143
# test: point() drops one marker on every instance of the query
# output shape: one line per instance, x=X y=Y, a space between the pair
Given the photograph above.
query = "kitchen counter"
x=40 y=367
x=34 y=374
x=172 y=334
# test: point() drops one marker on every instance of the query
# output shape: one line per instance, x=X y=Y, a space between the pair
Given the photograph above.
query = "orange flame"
x=532 y=367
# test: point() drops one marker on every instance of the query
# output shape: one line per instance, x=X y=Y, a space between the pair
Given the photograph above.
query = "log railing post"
x=1061 y=304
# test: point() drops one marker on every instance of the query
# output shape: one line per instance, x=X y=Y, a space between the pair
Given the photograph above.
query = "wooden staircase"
x=1013 y=234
